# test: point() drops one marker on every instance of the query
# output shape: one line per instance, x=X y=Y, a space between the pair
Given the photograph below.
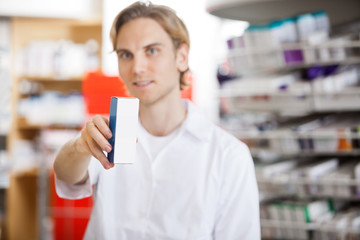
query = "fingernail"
x=109 y=135
x=108 y=148
x=106 y=165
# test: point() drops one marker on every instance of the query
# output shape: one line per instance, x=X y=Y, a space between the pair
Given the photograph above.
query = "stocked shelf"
x=52 y=79
x=313 y=219
x=24 y=125
x=265 y=223
x=290 y=90
x=259 y=11
x=296 y=105
x=306 y=226
x=301 y=188
x=289 y=135
x=269 y=155
x=314 y=135
x=292 y=56
x=294 y=96
x=37 y=85
x=295 y=46
x=51 y=58
x=47 y=59
x=236 y=60
x=305 y=92
x=310 y=178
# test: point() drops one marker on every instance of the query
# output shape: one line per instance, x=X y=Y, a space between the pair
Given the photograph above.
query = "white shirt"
x=157 y=142
x=200 y=186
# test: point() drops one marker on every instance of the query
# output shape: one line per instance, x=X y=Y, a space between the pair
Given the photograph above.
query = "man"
x=190 y=180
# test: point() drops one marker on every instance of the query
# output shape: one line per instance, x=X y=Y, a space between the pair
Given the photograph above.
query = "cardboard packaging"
x=123 y=124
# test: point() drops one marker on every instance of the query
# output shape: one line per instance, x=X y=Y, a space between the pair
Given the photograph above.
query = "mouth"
x=142 y=83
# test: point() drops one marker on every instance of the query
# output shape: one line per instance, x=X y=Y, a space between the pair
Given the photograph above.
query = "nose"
x=139 y=64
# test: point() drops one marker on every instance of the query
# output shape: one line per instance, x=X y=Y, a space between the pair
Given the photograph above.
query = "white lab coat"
x=200 y=186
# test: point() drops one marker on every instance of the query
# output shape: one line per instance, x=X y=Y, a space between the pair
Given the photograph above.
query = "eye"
x=124 y=55
x=152 y=51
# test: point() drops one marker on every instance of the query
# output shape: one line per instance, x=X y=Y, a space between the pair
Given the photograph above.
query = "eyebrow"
x=153 y=45
x=145 y=47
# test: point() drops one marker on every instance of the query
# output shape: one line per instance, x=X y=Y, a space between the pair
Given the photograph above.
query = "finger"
x=106 y=120
x=98 y=153
x=102 y=124
x=97 y=136
x=83 y=146
x=91 y=147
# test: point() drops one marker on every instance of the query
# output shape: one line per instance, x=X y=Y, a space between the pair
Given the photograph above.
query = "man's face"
x=148 y=62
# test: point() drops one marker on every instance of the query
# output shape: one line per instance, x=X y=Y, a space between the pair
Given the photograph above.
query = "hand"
x=94 y=141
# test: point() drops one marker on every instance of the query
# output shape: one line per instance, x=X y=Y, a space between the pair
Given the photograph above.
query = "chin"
x=144 y=99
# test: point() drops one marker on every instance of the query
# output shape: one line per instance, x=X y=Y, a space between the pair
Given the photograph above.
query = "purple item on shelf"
x=292 y=57
x=283 y=87
x=230 y=44
x=330 y=70
x=315 y=72
x=235 y=42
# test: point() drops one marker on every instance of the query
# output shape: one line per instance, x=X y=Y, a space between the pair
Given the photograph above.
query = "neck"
x=161 y=118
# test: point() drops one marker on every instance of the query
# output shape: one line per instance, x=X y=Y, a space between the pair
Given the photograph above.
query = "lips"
x=142 y=83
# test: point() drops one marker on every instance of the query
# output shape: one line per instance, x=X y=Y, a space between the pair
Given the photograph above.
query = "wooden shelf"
x=89 y=22
x=51 y=79
x=55 y=84
x=24 y=30
x=24 y=125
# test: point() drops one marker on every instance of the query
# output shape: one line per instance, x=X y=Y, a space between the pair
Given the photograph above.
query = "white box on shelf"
x=357 y=177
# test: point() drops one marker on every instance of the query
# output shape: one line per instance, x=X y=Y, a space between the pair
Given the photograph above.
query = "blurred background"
x=281 y=75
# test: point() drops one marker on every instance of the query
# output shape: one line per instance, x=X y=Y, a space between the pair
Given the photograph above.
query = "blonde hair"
x=163 y=15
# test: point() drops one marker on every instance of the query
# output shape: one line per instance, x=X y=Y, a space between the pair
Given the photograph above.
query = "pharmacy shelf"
x=307 y=188
x=331 y=134
x=250 y=61
x=261 y=153
x=274 y=196
x=24 y=31
x=293 y=46
x=260 y=11
x=302 y=181
x=4 y=174
x=24 y=125
x=3 y=138
x=292 y=102
x=287 y=224
x=4 y=52
x=52 y=83
x=52 y=79
x=299 y=101
x=286 y=143
x=5 y=167
x=295 y=66
x=306 y=92
x=306 y=226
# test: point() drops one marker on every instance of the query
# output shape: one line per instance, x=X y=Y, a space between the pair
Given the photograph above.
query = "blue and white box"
x=124 y=113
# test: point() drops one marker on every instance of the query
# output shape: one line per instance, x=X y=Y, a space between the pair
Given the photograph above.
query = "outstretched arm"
x=73 y=159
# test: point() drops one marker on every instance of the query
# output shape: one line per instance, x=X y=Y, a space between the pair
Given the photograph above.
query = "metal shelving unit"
x=285 y=143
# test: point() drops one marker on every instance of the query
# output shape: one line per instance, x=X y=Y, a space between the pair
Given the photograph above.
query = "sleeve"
x=78 y=191
x=238 y=207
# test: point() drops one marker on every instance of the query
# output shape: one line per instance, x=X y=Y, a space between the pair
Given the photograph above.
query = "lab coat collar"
x=195 y=123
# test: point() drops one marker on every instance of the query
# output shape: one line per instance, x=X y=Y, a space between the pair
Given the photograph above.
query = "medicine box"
x=123 y=125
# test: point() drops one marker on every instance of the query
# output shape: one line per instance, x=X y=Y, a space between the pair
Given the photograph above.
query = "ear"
x=182 y=57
